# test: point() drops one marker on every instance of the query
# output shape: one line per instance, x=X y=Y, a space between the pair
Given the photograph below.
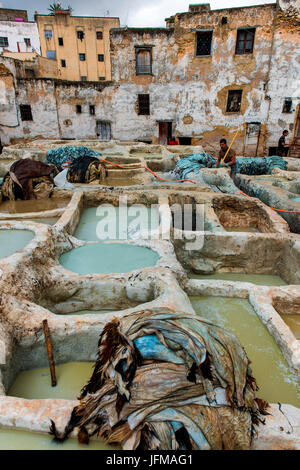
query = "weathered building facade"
x=212 y=73
x=17 y=34
x=205 y=76
x=79 y=44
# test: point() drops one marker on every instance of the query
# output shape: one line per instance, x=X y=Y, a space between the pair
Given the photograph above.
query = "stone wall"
x=284 y=80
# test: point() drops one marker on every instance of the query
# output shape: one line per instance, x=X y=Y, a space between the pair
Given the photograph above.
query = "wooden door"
x=165 y=132
x=295 y=144
x=103 y=130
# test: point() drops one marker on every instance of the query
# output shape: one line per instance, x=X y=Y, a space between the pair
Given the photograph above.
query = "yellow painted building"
x=79 y=44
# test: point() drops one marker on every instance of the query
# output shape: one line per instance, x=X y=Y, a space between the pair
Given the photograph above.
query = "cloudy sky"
x=131 y=12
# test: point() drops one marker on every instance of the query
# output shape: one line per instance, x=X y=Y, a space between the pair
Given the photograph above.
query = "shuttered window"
x=48 y=33
x=144 y=105
x=51 y=55
x=143 y=61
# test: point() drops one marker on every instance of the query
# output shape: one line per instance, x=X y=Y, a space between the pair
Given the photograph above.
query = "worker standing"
x=230 y=159
x=173 y=141
x=282 y=148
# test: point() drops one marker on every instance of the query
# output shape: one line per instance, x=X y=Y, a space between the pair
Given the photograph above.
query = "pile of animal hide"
x=259 y=166
x=60 y=155
x=168 y=381
x=86 y=170
x=193 y=163
x=28 y=179
x=244 y=165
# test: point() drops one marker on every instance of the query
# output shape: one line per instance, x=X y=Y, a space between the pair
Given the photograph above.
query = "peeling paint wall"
x=75 y=125
x=192 y=91
x=40 y=94
x=284 y=81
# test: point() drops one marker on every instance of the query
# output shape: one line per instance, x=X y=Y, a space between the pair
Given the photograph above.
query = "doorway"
x=295 y=144
x=251 y=140
x=103 y=130
x=165 y=132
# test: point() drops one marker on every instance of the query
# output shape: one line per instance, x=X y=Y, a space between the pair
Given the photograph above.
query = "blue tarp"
x=69 y=153
x=244 y=165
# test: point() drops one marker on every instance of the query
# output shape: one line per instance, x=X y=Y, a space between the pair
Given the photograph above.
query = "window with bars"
x=143 y=61
x=83 y=78
x=63 y=62
x=234 y=101
x=144 y=105
x=99 y=35
x=51 y=55
x=80 y=35
x=92 y=109
x=27 y=42
x=204 y=39
x=3 y=41
x=245 y=41
x=100 y=58
x=25 y=110
x=48 y=33
x=82 y=57
x=287 y=105
x=60 y=41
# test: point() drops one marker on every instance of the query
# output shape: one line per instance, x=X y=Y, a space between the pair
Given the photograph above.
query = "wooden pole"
x=50 y=352
x=223 y=160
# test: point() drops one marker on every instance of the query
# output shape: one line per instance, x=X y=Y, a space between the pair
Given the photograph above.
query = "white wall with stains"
x=15 y=32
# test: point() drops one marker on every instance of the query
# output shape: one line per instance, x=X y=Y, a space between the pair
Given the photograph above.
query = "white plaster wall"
x=284 y=79
x=75 y=125
x=39 y=94
x=8 y=110
x=179 y=89
x=16 y=32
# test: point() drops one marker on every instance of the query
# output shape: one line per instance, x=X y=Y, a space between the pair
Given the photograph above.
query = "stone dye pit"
x=243 y=274
x=105 y=258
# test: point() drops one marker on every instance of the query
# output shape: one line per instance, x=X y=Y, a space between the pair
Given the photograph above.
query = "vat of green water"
x=106 y=258
x=242 y=229
x=293 y=322
x=22 y=440
x=276 y=381
x=259 y=279
x=122 y=220
x=32 y=205
x=35 y=384
x=12 y=240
